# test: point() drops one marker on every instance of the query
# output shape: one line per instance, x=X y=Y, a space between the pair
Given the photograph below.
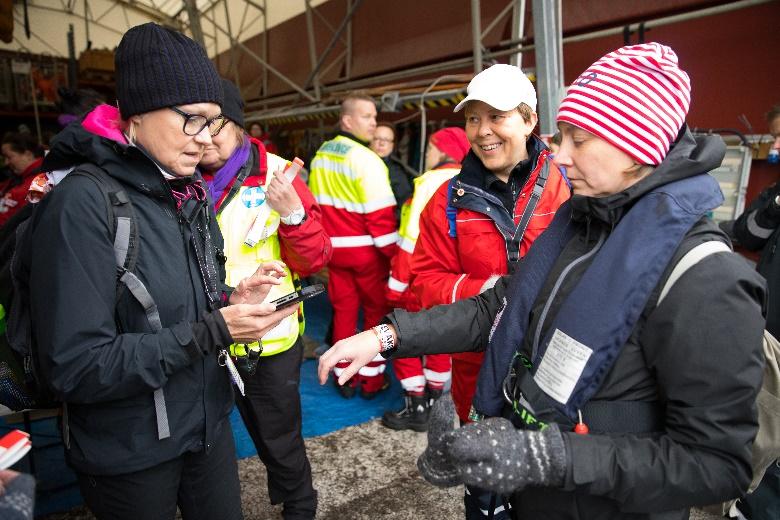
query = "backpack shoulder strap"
x=514 y=243
x=120 y=213
x=451 y=211
x=691 y=258
x=122 y=221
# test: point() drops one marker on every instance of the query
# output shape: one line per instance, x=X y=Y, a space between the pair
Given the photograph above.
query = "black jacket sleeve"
x=704 y=343
x=759 y=221
x=462 y=326
x=83 y=356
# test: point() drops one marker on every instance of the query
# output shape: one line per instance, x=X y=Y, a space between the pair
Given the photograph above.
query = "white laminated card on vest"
x=561 y=366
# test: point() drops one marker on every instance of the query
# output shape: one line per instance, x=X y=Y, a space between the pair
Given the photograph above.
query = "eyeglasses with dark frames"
x=195 y=123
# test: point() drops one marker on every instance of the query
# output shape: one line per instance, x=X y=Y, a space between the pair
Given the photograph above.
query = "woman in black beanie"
x=139 y=358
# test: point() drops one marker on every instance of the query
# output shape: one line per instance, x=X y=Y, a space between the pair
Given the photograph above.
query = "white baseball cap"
x=501 y=86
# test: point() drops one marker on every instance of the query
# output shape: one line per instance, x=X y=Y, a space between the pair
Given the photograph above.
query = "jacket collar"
x=80 y=143
x=344 y=133
x=474 y=173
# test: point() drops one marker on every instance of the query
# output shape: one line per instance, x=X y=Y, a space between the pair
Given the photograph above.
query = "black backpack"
x=20 y=384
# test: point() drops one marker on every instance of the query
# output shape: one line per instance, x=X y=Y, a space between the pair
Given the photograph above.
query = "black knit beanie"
x=233 y=108
x=157 y=67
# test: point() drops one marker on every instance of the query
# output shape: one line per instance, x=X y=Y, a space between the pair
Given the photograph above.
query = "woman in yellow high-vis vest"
x=242 y=179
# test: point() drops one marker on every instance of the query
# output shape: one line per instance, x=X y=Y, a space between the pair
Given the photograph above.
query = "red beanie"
x=452 y=141
x=636 y=98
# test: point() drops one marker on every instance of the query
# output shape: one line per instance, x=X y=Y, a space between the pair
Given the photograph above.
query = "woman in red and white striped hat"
x=613 y=386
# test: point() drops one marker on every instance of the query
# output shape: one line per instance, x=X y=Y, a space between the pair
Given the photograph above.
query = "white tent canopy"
x=106 y=20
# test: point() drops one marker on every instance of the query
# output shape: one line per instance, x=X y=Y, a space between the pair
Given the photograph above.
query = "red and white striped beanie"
x=636 y=98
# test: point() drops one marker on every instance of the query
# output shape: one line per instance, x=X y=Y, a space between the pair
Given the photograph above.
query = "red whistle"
x=580 y=428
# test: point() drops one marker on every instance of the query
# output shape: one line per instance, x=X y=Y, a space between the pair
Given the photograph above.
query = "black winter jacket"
x=100 y=356
x=759 y=228
x=697 y=355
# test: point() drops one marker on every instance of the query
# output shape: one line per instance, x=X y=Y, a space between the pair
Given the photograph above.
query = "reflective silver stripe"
x=756 y=230
x=437 y=377
x=455 y=287
x=372 y=371
x=121 y=240
x=331 y=166
x=377 y=204
x=407 y=244
x=413 y=383
x=691 y=258
x=327 y=200
x=356 y=241
x=355 y=207
x=386 y=240
x=396 y=285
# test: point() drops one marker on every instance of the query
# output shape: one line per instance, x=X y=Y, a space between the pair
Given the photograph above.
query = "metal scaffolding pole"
x=348 y=59
x=312 y=49
x=194 y=17
x=265 y=48
x=332 y=42
x=233 y=59
x=549 y=61
x=476 y=35
x=492 y=25
x=518 y=31
x=260 y=60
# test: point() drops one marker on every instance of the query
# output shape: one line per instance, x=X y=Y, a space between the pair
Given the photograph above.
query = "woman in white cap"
x=136 y=349
x=611 y=388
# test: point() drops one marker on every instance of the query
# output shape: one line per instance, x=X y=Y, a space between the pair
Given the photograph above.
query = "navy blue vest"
x=596 y=319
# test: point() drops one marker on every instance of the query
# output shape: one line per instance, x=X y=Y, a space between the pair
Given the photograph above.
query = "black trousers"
x=204 y=485
x=271 y=411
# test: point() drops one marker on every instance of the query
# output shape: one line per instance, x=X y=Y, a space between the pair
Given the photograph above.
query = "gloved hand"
x=494 y=455
x=434 y=463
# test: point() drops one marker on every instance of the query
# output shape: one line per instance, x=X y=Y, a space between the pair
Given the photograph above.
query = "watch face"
x=296 y=218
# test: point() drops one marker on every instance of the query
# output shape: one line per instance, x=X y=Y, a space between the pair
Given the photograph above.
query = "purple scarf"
x=225 y=175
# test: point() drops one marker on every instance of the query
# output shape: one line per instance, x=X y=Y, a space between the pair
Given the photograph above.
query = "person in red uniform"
x=479 y=225
x=23 y=156
x=422 y=379
x=351 y=184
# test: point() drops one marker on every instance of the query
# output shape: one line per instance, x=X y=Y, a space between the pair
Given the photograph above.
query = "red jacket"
x=445 y=269
x=306 y=249
x=14 y=197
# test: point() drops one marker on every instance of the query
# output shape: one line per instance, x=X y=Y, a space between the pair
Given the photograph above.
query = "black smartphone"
x=296 y=297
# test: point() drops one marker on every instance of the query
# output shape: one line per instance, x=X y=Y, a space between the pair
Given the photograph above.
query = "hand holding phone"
x=296 y=297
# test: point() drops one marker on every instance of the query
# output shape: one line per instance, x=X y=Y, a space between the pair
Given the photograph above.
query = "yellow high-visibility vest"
x=345 y=174
x=424 y=187
x=235 y=220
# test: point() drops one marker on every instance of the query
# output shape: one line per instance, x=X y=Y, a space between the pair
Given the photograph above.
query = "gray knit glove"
x=18 y=500
x=493 y=455
x=434 y=463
